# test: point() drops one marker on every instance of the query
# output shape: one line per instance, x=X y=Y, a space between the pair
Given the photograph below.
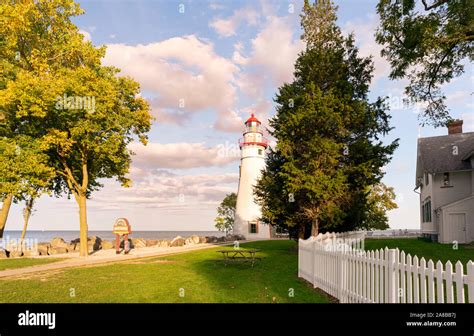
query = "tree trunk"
x=26 y=218
x=315 y=227
x=301 y=231
x=7 y=202
x=81 y=200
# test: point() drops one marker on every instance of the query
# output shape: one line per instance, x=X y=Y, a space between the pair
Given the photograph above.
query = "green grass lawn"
x=198 y=276
x=428 y=250
x=24 y=262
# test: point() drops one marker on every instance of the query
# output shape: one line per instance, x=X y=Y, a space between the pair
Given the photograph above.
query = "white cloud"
x=163 y=189
x=364 y=31
x=227 y=27
x=186 y=75
x=275 y=49
x=216 y=6
x=178 y=156
x=468 y=125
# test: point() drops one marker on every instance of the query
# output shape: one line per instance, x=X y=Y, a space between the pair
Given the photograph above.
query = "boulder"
x=195 y=239
x=15 y=254
x=57 y=250
x=152 y=242
x=221 y=240
x=164 y=243
x=177 y=241
x=107 y=245
x=43 y=248
x=58 y=242
x=211 y=239
x=72 y=247
x=3 y=254
x=189 y=241
x=138 y=242
x=30 y=253
x=202 y=240
x=234 y=237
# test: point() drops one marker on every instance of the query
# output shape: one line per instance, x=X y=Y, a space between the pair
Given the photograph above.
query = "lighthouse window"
x=260 y=152
x=253 y=228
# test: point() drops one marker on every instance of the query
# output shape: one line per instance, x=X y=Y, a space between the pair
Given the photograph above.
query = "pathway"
x=104 y=257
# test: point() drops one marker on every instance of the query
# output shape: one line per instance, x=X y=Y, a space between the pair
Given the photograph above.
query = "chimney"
x=455 y=126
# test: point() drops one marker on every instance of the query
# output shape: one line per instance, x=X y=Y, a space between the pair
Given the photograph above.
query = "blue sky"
x=205 y=66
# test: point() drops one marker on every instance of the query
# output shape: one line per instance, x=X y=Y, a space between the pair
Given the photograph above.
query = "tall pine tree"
x=329 y=151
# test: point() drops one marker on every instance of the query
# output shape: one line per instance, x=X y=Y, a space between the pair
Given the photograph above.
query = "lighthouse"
x=248 y=212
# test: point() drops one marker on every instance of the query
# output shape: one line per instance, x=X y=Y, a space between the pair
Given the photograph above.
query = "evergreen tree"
x=329 y=149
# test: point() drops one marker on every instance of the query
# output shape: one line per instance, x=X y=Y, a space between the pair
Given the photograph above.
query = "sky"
x=205 y=66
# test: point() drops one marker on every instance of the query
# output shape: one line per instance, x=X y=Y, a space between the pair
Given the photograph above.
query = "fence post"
x=470 y=281
x=340 y=288
x=391 y=271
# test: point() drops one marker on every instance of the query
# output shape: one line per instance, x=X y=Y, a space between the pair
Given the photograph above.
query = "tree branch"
x=434 y=5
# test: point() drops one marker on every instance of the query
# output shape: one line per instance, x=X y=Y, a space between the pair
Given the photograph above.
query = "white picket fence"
x=382 y=276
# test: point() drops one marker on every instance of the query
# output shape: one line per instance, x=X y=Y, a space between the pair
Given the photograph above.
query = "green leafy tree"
x=328 y=134
x=83 y=113
x=24 y=173
x=36 y=38
x=381 y=199
x=427 y=41
x=226 y=213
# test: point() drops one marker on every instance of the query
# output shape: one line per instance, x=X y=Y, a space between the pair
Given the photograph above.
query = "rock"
x=3 y=254
x=195 y=239
x=107 y=245
x=164 y=243
x=202 y=240
x=43 y=248
x=30 y=253
x=138 y=242
x=220 y=240
x=211 y=239
x=58 y=242
x=177 y=241
x=57 y=250
x=15 y=254
x=72 y=247
x=152 y=242
x=189 y=241
x=234 y=237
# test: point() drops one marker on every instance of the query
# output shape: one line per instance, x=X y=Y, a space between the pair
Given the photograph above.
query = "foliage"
x=57 y=91
x=226 y=213
x=329 y=148
x=427 y=43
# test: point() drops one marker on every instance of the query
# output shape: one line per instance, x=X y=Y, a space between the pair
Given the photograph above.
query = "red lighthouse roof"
x=252 y=118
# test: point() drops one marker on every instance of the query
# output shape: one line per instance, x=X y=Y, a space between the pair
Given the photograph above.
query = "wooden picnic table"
x=240 y=255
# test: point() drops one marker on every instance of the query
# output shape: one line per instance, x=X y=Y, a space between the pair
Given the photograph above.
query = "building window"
x=427 y=179
x=253 y=227
x=426 y=211
x=260 y=152
x=446 y=179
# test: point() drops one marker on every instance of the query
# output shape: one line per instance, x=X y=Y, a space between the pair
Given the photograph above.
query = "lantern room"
x=253 y=135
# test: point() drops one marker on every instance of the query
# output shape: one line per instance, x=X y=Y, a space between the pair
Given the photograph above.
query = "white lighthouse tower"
x=247 y=211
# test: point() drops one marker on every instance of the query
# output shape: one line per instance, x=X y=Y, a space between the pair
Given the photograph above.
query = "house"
x=445 y=180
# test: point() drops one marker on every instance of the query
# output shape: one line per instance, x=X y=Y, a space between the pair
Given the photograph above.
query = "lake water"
x=46 y=236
